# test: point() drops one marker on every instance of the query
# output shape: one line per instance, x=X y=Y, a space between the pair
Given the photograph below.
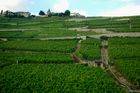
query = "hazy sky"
x=85 y=7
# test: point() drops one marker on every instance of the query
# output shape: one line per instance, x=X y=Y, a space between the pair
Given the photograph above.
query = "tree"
x=1 y=12
x=61 y=14
x=49 y=12
x=6 y=13
x=67 y=13
x=41 y=12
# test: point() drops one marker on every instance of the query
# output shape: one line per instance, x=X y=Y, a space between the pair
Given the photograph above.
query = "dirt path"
x=121 y=78
x=129 y=87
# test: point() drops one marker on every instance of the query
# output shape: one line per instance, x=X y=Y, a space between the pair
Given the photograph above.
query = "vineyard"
x=37 y=55
x=34 y=58
x=89 y=49
x=56 y=79
x=125 y=54
x=64 y=46
x=41 y=33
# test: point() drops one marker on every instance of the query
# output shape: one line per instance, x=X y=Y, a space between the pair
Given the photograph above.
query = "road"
x=130 y=34
x=134 y=34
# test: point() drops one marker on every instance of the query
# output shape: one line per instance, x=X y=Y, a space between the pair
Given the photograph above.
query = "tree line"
x=49 y=13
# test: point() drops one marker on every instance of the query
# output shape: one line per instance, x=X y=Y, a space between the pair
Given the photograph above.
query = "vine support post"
x=17 y=61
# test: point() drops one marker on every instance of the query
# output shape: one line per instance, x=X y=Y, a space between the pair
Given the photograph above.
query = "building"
x=24 y=14
x=8 y=13
x=76 y=15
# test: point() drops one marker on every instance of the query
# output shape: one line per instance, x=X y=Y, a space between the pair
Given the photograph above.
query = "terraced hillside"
x=36 y=54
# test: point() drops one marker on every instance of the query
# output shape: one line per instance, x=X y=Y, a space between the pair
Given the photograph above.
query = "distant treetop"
x=67 y=13
x=42 y=12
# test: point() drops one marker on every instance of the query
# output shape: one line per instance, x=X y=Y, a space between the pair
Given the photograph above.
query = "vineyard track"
x=123 y=81
x=121 y=78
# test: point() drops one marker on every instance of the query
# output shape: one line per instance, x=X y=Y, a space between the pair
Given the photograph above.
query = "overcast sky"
x=85 y=7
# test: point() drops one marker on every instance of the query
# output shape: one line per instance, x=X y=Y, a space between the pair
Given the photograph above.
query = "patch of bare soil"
x=84 y=29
